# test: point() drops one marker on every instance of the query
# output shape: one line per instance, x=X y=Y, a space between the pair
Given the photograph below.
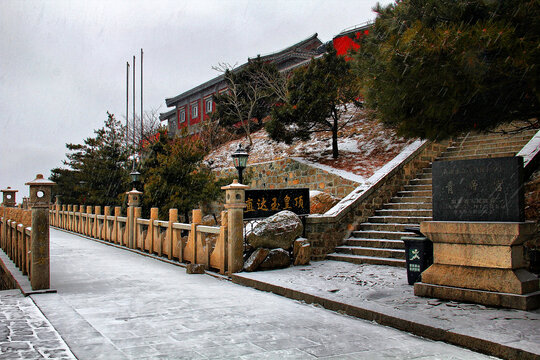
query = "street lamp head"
x=135 y=175
x=240 y=157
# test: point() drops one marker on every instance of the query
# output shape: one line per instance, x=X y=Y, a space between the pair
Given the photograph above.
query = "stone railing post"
x=87 y=228
x=40 y=197
x=171 y=241
x=105 y=231
x=138 y=241
x=96 y=233
x=150 y=242
x=235 y=204
x=134 y=198
x=70 y=217
x=115 y=237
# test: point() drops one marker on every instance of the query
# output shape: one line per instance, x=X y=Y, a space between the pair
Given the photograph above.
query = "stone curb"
x=19 y=280
x=412 y=323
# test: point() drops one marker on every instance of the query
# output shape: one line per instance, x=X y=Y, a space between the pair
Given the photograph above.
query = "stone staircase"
x=377 y=241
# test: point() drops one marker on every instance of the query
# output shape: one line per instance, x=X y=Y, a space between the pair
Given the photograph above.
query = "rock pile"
x=275 y=241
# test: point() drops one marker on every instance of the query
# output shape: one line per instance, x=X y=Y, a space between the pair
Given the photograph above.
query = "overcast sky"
x=63 y=63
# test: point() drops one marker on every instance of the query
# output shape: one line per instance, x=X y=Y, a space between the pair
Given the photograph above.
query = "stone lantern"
x=40 y=192
x=40 y=198
x=9 y=197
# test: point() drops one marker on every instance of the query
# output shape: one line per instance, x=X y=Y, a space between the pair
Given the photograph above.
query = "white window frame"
x=208 y=103
x=195 y=110
x=181 y=115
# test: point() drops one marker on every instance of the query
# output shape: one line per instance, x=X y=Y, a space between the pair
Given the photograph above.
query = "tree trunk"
x=335 y=152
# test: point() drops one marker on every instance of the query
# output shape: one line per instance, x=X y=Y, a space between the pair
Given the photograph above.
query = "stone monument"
x=478 y=231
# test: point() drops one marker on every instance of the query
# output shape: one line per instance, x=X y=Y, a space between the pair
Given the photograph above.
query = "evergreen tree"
x=318 y=95
x=97 y=171
x=175 y=177
x=434 y=68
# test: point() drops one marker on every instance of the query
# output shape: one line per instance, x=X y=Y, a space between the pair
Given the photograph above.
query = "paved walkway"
x=115 y=304
x=25 y=333
x=381 y=293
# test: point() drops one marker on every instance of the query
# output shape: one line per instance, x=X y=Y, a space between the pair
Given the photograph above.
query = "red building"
x=194 y=106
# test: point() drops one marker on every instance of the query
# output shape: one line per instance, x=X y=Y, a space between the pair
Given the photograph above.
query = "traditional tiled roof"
x=167 y=115
x=355 y=28
x=303 y=50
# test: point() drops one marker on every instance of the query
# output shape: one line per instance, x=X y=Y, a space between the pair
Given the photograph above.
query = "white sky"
x=63 y=63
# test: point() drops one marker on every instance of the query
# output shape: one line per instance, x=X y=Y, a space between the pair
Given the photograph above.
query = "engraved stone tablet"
x=479 y=190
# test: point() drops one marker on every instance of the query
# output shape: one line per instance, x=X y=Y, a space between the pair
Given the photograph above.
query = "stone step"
x=481 y=151
x=357 y=259
x=422 y=176
x=417 y=187
x=413 y=193
x=408 y=205
x=378 y=234
x=372 y=252
x=375 y=243
x=378 y=241
x=398 y=219
x=405 y=212
x=510 y=146
x=386 y=227
x=423 y=181
x=412 y=199
x=495 y=137
x=470 y=157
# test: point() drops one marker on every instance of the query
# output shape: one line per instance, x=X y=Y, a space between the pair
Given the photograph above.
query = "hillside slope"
x=364 y=147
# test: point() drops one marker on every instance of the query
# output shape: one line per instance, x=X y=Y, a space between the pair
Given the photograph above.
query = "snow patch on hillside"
x=365 y=147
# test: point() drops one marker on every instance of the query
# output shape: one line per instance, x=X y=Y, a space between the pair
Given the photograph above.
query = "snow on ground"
x=364 y=146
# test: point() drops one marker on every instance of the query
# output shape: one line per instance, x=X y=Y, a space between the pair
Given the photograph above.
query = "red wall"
x=345 y=43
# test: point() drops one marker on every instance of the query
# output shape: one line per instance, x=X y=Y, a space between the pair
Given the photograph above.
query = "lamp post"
x=135 y=175
x=240 y=157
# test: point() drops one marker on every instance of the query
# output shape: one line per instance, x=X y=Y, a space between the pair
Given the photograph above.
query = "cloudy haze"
x=63 y=63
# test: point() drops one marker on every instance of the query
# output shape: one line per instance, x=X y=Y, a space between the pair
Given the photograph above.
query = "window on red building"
x=208 y=105
x=194 y=111
x=181 y=116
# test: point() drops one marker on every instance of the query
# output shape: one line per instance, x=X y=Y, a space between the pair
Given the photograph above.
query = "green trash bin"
x=418 y=255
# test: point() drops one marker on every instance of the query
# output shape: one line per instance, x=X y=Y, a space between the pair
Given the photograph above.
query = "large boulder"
x=276 y=259
x=321 y=202
x=277 y=231
x=256 y=258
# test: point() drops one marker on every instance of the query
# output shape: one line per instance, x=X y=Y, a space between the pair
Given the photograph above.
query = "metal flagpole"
x=127 y=102
x=133 y=101
x=142 y=113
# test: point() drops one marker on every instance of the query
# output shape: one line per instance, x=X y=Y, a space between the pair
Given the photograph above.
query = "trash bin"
x=418 y=254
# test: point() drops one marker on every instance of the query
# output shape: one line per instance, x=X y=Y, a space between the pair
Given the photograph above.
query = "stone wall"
x=290 y=173
x=329 y=230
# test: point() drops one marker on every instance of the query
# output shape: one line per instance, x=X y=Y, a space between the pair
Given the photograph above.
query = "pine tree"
x=318 y=95
x=434 y=68
x=97 y=171
x=175 y=177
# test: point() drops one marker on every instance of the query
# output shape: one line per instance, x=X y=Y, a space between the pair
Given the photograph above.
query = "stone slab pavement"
x=25 y=333
x=382 y=294
x=116 y=304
